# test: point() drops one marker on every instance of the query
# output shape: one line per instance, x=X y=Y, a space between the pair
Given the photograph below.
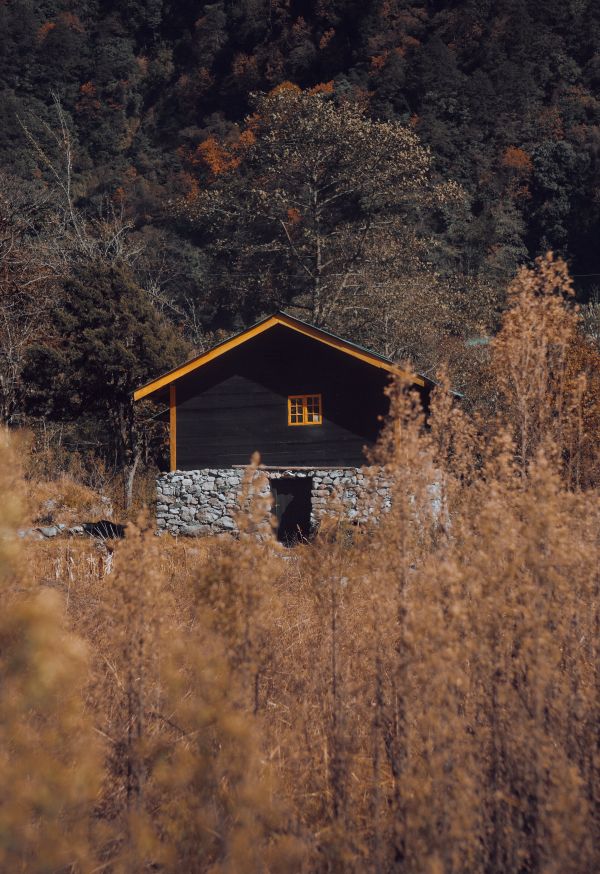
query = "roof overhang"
x=265 y=325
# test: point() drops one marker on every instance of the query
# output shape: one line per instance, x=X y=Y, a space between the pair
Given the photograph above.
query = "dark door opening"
x=292 y=506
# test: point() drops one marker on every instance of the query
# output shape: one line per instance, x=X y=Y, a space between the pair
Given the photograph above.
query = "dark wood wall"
x=237 y=405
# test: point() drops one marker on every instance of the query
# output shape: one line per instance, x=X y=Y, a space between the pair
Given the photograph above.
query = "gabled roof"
x=266 y=324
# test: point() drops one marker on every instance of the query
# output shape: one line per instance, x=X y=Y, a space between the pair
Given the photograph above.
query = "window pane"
x=304 y=410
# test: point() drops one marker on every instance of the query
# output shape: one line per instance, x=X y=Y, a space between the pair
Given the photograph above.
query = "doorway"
x=292 y=507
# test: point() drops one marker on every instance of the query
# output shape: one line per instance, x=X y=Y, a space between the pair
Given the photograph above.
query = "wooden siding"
x=157 y=386
x=237 y=405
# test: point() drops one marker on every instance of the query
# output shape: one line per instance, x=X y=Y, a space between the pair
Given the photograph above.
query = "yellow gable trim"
x=268 y=323
x=192 y=365
x=342 y=346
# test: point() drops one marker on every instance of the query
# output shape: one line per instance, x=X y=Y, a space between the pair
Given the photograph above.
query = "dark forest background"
x=156 y=158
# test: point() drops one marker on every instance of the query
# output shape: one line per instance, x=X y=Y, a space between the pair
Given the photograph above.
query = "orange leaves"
x=517 y=159
x=378 y=62
x=66 y=19
x=284 y=87
x=191 y=186
x=88 y=100
x=326 y=38
x=519 y=165
x=292 y=90
x=247 y=139
x=219 y=157
x=322 y=88
x=44 y=30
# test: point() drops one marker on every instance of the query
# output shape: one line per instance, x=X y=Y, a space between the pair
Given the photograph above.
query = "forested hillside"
x=379 y=168
x=505 y=94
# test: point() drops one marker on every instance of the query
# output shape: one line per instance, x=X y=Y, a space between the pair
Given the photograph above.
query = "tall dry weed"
x=48 y=764
x=418 y=695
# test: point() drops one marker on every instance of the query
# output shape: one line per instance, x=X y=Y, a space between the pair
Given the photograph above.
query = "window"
x=304 y=410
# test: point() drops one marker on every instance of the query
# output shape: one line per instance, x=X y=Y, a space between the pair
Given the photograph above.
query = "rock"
x=49 y=530
x=30 y=534
x=192 y=530
x=206 y=501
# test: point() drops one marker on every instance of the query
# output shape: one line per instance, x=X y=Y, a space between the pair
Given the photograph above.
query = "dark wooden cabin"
x=298 y=395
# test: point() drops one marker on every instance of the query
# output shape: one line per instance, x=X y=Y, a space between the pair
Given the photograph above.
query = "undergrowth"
x=419 y=696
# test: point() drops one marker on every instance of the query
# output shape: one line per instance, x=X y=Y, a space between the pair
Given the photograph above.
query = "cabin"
x=309 y=402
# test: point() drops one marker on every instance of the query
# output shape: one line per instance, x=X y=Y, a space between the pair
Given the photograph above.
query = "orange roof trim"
x=265 y=325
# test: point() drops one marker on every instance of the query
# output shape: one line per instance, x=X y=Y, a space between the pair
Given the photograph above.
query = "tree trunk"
x=129 y=476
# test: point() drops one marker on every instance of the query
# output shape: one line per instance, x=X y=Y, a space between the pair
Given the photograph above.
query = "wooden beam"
x=173 y=426
x=342 y=346
x=192 y=365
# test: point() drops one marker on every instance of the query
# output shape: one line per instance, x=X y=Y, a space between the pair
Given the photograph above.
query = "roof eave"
x=260 y=327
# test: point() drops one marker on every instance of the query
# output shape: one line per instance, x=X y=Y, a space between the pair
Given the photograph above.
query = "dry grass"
x=420 y=697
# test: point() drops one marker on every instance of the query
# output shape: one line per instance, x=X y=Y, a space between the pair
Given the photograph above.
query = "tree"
x=30 y=264
x=109 y=339
x=292 y=209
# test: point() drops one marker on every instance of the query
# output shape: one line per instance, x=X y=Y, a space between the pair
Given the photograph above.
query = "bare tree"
x=30 y=265
x=80 y=236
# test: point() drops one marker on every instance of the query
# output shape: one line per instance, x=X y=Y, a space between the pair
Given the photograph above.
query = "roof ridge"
x=264 y=324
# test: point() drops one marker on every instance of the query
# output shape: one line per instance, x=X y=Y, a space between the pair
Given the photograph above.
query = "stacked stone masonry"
x=207 y=501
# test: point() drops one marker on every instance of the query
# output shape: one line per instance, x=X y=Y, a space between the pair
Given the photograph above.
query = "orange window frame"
x=301 y=407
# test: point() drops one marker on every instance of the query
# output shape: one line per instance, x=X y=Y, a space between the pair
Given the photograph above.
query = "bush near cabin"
x=419 y=697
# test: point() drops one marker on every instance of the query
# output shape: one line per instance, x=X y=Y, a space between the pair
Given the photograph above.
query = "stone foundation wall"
x=206 y=501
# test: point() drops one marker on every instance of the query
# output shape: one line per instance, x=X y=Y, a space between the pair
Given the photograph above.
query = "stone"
x=192 y=530
x=208 y=499
x=49 y=530
x=30 y=534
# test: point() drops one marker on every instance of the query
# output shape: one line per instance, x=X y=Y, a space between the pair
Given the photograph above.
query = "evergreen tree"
x=109 y=340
